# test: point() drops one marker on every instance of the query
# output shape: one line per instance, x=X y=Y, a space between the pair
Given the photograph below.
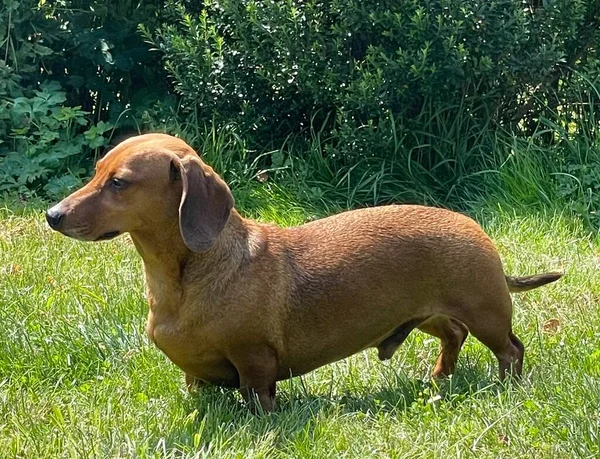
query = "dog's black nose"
x=54 y=216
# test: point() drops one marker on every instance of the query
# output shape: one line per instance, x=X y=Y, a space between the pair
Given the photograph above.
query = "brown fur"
x=243 y=304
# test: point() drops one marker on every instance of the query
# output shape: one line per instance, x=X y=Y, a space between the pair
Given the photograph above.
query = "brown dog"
x=243 y=304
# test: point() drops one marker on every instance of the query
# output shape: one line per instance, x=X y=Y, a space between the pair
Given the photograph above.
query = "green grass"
x=79 y=378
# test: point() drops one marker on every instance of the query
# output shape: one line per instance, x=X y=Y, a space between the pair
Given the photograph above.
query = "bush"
x=44 y=143
x=278 y=67
x=90 y=47
x=355 y=102
x=378 y=101
x=69 y=72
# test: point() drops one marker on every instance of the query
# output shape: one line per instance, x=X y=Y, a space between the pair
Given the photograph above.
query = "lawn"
x=79 y=378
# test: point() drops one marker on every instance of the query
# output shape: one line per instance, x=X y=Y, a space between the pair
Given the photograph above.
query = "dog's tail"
x=522 y=284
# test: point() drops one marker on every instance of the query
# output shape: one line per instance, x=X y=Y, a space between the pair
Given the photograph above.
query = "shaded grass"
x=79 y=378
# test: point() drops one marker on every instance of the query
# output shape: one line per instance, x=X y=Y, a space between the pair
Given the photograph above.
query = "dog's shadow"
x=221 y=412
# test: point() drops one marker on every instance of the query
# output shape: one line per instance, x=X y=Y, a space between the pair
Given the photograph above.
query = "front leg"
x=257 y=369
x=192 y=383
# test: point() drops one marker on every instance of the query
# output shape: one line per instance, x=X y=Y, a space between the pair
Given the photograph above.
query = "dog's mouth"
x=107 y=236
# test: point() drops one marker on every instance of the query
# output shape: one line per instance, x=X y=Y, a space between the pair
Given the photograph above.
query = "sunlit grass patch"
x=79 y=378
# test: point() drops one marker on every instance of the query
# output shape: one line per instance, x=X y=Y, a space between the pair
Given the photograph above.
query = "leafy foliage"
x=44 y=143
x=69 y=72
x=377 y=101
x=279 y=66
x=90 y=47
x=434 y=101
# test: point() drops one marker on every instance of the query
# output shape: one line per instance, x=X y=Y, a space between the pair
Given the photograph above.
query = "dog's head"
x=146 y=184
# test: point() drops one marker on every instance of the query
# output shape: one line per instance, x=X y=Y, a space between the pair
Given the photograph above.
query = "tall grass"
x=455 y=159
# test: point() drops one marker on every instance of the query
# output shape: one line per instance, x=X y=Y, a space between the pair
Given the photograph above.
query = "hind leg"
x=492 y=326
x=520 y=354
x=508 y=350
x=452 y=334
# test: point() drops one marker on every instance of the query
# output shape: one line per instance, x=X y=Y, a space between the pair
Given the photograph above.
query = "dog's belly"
x=302 y=363
x=299 y=367
x=310 y=351
x=348 y=320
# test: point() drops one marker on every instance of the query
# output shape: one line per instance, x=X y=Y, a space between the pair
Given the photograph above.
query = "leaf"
x=49 y=136
x=97 y=142
x=551 y=326
x=50 y=86
x=21 y=106
x=39 y=105
x=57 y=98
x=20 y=131
x=58 y=187
x=102 y=127
x=42 y=51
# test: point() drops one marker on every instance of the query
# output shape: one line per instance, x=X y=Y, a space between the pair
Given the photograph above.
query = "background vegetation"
x=347 y=103
x=306 y=107
x=72 y=74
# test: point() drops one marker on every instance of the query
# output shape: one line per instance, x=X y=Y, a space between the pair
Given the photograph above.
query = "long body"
x=242 y=304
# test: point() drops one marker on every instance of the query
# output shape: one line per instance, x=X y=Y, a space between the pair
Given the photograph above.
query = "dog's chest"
x=172 y=334
x=186 y=343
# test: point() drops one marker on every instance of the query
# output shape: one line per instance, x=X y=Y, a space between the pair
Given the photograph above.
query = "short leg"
x=257 y=367
x=510 y=355
x=452 y=334
x=192 y=383
x=495 y=332
x=389 y=345
x=518 y=366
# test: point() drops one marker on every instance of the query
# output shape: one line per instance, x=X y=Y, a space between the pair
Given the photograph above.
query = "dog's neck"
x=169 y=264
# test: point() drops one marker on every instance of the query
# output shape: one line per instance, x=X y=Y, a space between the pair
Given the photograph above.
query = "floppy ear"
x=206 y=203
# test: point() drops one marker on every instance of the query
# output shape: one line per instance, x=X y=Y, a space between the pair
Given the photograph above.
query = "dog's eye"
x=118 y=183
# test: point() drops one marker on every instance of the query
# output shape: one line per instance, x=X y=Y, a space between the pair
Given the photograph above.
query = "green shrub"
x=69 y=72
x=43 y=145
x=277 y=67
x=91 y=47
x=435 y=101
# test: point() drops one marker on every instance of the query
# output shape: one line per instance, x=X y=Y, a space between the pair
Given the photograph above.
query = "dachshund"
x=243 y=304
